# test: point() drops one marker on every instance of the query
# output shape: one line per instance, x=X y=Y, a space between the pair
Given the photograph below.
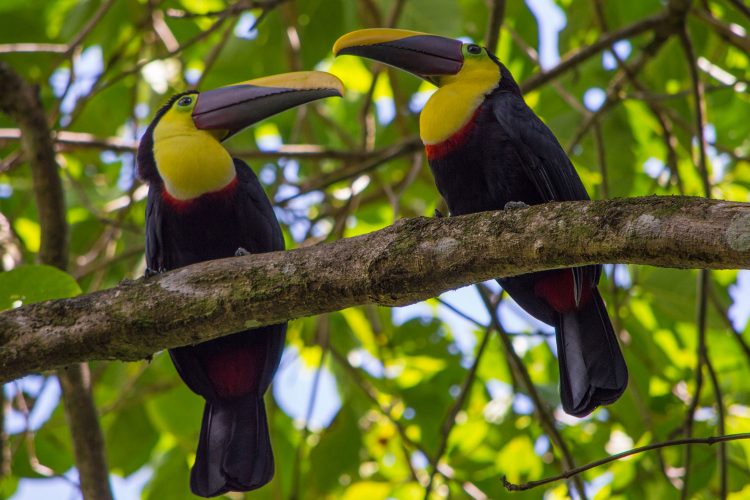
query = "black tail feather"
x=234 y=450
x=592 y=368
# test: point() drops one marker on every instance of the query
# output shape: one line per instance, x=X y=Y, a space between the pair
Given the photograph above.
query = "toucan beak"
x=237 y=106
x=427 y=56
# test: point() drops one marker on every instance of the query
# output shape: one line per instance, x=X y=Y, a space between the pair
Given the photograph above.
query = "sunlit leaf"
x=29 y=284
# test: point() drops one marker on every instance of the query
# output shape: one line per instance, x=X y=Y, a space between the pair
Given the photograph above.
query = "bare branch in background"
x=677 y=442
x=450 y=418
x=521 y=374
x=578 y=56
x=31 y=48
x=699 y=103
x=21 y=101
x=494 y=24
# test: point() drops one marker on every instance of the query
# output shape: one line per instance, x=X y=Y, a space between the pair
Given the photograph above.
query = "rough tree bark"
x=412 y=260
x=22 y=103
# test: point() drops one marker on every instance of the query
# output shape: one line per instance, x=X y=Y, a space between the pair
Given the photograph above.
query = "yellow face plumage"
x=458 y=96
x=190 y=161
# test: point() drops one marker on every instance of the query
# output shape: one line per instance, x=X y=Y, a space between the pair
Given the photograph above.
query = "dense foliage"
x=373 y=402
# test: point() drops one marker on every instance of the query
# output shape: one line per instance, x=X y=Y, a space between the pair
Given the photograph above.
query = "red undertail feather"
x=235 y=372
x=558 y=290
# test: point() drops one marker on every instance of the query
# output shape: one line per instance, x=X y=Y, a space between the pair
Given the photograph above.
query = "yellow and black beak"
x=237 y=106
x=427 y=56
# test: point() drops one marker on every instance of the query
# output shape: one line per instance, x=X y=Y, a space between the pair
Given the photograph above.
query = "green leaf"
x=29 y=284
x=130 y=440
x=337 y=453
x=171 y=479
x=8 y=486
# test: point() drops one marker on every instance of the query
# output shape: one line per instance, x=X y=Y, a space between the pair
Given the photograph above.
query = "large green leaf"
x=130 y=440
x=29 y=284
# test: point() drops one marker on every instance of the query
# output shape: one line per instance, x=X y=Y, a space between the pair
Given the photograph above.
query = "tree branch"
x=577 y=56
x=66 y=140
x=494 y=23
x=410 y=261
x=22 y=103
x=83 y=421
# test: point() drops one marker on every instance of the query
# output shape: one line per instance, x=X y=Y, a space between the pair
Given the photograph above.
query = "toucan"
x=203 y=205
x=487 y=151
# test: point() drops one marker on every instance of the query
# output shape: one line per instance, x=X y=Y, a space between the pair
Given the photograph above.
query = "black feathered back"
x=507 y=82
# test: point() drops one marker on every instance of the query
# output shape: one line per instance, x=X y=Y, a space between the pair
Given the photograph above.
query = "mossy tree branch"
x=410 y=261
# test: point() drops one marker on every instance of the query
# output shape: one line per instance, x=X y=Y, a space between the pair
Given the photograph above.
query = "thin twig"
x=670 y=141
x=386 y=410
x=699 y=99
x=371 y=8
x=720 y=427
x=546 y=421
x=323 y=341
x=741 y=6
x=725 y=31
x=703 y=280
x=614 y=90
x=213 y=55
x=601 y=155
x=494 y=23
x=235 y=8
x=737 y=335
x=577 y=56
x=654 y=446
x=383 y=156
x=648 y=96
x=221 y=18
x=450 y=418
x=33 y=48
x=88 y=27
x=533 y=55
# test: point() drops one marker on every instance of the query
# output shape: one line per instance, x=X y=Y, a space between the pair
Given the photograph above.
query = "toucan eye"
x=474 y=49
x=185 y=101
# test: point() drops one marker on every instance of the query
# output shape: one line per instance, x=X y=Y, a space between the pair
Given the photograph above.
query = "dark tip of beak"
x=236 y=107
x=422 y=55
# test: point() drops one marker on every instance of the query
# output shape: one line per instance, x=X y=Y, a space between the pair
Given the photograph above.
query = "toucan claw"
x=241 y=252
x=153 y=272
x=514 y=205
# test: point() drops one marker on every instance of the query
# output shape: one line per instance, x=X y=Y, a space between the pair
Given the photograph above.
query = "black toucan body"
x=487 y=148
x=203 y=205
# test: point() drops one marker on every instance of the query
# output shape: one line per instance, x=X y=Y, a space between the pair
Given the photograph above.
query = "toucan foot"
x=513 y=205
x=241 y=252
x=438 y=214
x=153 y=272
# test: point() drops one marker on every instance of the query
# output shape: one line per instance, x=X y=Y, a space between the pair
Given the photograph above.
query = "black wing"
x=154 y=228
x=260 y=230
x=542 y=157
x=544 y=160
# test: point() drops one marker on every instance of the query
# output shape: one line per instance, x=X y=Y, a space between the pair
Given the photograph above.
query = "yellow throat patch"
x=191 y=162
x=458 y=96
